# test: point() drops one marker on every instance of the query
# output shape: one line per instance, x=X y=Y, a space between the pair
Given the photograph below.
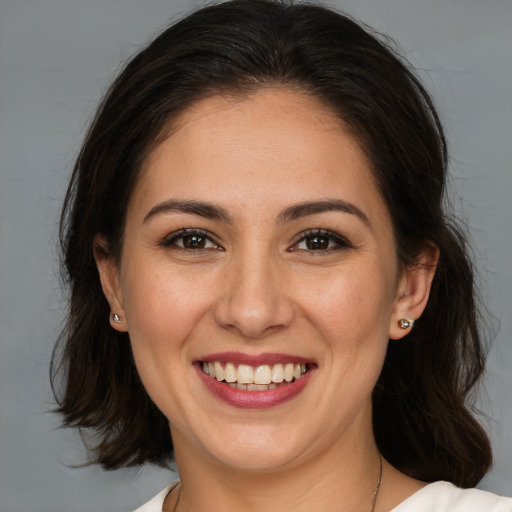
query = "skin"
x=258 y=286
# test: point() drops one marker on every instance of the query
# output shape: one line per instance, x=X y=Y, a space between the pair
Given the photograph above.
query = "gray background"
x=56 y=57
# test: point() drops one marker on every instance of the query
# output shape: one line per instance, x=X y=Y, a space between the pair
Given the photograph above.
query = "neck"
x=342 y=478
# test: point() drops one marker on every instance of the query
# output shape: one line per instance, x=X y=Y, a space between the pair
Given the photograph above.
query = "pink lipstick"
x=254 y=381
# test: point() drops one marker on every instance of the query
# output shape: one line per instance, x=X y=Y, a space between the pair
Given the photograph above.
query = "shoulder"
x=445 y=497
x=156 y=504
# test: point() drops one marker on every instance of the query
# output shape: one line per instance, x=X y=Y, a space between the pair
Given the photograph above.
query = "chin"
x=256 y=449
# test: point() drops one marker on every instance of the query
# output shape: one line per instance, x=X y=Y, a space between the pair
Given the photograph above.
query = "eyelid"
x=341 y=241
x=170 y=239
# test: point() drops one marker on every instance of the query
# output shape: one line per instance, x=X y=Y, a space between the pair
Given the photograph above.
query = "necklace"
x=374 y=494
x=377 y=489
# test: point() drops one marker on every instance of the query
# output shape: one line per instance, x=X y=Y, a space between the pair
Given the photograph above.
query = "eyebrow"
x=291 y=213
x=326 y=205
x=203 y=209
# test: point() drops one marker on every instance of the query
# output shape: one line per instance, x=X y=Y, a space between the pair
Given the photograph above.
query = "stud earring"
x=116 y=318
x=405 y=323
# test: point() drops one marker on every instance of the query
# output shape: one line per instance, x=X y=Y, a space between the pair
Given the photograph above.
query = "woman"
x=263 y=281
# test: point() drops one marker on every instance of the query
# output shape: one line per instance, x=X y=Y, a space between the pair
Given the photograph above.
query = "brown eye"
x=321 y=240
x=317 y=242
x=190 y=240
x=194 y=242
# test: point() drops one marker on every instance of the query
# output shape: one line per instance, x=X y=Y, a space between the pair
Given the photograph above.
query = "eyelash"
x=338 y=242
x=170 y=240
x=335 y=242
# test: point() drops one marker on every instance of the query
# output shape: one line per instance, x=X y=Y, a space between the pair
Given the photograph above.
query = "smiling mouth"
x=254 y=378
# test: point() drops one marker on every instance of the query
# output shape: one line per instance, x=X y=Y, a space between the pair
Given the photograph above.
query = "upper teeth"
x=262 y=374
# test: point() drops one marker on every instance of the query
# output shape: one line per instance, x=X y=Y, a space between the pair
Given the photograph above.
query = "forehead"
x=274 y=144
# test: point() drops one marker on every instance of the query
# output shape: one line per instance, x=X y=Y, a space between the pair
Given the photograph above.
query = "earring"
x=405 y=323
x=116 y=318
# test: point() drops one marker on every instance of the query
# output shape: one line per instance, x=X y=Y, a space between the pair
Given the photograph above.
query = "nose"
x=253 y=301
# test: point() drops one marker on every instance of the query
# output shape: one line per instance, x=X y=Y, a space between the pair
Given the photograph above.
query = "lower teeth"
x=255 y=387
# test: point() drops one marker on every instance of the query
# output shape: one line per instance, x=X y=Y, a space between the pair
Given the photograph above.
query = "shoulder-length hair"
x=422 y=423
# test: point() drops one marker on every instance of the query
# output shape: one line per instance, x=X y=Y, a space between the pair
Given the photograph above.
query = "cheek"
x=162 y=311
x=163 y=307
x=350 y=309
x=352 y=302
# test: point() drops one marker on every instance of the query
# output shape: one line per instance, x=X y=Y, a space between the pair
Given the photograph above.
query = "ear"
x=413 y=290
x=108 y=270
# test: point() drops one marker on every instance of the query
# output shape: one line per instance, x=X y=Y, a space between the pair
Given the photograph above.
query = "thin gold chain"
x=377 y=489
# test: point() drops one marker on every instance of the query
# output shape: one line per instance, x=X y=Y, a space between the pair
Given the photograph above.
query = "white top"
x=435 y=497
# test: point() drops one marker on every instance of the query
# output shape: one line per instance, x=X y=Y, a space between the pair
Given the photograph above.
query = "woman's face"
x=257 y=245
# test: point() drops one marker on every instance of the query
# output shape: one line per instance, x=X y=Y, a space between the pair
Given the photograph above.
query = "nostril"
x=253 y=319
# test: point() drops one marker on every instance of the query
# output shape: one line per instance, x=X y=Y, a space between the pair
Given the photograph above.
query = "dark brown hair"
x=421 y=419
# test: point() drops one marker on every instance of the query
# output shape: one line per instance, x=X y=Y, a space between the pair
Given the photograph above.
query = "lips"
x=249 y=381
